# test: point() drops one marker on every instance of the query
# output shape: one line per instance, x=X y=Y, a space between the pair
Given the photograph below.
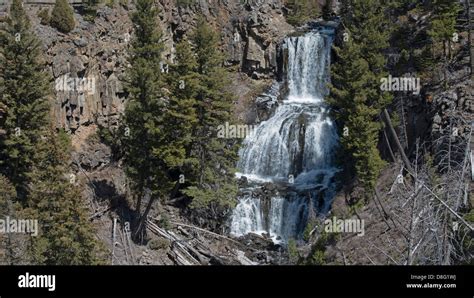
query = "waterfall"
x=293 y=149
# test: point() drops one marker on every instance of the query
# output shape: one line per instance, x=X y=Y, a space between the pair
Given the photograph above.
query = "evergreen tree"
x=351 y=92
x=66 y=235
x=23 y=97
x=62 y=17
x=366 y=23
x=180 y=118
x=443 y=22
x=213 y=182
x=148 y=154
x=355 y=93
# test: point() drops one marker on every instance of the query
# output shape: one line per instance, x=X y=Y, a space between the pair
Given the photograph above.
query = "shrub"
x=62 y=17
x=44 y=16
x=293 y=250
x=157 y=244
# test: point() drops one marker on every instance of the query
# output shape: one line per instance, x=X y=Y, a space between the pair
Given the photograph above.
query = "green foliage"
x=443 y=21
x=181 y=118
x=164 y=222
x=470 y=216
x=302 y=11
x=318 y=250
x=352 y=93
x=62 y=17
x=33 y=163
x=66 y=235
x=293 y=250
x=423 y=59
x=145 y=148
x=24 y=94
x=158 y=244
x=307 y=231
x=212 y=158
x=318 y=258
x=355 y=89
x=90 y=10
x=44 y=16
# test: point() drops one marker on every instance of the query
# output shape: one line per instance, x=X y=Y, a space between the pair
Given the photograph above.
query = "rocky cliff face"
x=88 y=64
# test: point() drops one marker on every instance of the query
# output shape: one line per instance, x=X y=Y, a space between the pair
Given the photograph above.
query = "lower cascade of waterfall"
x=287 y=163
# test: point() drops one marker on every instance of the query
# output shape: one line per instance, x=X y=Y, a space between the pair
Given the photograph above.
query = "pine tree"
x=355 y=93
x=148 y=153
x=367 y=25
x=24 y=94
x=62 y=17
x=443 y=23
x=180 y=117
x=213 y=181
x=66 y=235
x=351 y=92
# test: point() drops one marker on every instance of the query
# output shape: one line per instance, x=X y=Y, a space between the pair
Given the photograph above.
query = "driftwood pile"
x=193 y=249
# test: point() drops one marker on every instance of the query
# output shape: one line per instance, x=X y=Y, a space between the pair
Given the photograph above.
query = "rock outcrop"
x=88 y=64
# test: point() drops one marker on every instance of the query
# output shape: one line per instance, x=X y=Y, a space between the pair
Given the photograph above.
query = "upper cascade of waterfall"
x=308 y=62
x=294 y=147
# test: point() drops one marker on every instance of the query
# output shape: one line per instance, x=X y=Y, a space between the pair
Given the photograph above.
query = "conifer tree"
x=180 y=117
x=24 y=92
x=213 y=173
x=355 y=92
x=66 y=236
x=367 y=25
x=62 y=16
x=148 y=154
x=351 y=92
x=443 y=23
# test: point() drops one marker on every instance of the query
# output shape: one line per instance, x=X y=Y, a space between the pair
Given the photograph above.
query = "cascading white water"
x=293 y=148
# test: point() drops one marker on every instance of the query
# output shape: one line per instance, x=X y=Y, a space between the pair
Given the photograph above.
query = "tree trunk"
x=388 y=122
x=141 y=223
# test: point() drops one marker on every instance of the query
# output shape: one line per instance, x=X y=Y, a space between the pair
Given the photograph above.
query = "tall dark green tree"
x=355 y=92
x=443 y=23
x=24 y=91
x=351 y=92
x=150 y=154
x=66 y=235
x=180 y=117
x=367 y=25
x=213 y=173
